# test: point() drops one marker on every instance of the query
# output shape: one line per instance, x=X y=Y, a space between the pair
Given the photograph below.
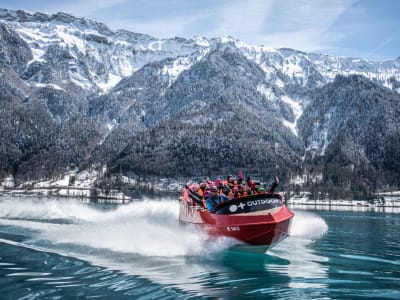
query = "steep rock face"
x=14 y=51
x=222 y=71
x=352 y=123
x=351 y=104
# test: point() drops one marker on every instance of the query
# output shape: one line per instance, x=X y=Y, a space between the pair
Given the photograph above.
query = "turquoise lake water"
x=65 y=249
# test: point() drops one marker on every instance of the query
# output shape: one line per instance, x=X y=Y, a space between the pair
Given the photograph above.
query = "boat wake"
x=148 y=228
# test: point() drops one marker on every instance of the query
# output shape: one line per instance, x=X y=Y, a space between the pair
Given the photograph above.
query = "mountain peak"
x=23 y=16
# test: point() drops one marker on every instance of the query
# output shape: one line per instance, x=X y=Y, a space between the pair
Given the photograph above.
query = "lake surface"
x=65 y=249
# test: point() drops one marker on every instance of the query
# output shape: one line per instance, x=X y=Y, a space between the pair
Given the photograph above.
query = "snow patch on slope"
x=297 y=111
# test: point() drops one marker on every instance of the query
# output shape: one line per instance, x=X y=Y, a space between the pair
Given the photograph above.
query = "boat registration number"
x=233 y=228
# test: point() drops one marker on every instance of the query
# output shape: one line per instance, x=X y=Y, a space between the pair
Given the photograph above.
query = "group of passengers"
x=209 y=194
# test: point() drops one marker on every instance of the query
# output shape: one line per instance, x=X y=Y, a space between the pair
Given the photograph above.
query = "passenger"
x=241 y=178
x=242 y=190
x=201 y=191
x=250 y=183
x=215 y=198
x=228 y=179
x=220 y=186
x=260 y=190
x=257 y=185
x=235 y=192
x=274 y=185
x=218 y=182
x=207 y=192
x=194 y=188
x=226 y=190
x=194 y=195
x=230 y=187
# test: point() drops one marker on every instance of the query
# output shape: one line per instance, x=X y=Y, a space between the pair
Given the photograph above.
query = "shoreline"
x=344 y=203
x=114 y=196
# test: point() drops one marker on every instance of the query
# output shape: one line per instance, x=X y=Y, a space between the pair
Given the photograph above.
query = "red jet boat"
x=254 y=220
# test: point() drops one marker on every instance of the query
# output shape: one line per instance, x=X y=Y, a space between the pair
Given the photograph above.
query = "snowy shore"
x=82 y=185
x=77 y=185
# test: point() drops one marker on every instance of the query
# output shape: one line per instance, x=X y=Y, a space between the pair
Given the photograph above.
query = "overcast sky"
x=356 y=28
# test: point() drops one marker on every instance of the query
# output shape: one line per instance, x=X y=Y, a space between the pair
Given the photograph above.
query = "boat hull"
x=263 y=227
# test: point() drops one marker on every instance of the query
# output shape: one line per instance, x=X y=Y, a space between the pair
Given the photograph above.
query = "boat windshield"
x=251 y=203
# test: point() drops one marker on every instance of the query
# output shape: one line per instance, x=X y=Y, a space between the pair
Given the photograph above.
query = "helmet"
x=214 y=188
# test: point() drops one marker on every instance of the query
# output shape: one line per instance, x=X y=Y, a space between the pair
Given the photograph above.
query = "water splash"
x=46 y=209
x=148 y=227
x=308 y=225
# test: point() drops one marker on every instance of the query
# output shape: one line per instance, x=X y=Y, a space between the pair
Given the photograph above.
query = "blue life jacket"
x=212 y=202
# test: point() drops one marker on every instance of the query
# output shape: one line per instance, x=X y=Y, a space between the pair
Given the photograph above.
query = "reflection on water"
x=54 y=247
x=306 y=268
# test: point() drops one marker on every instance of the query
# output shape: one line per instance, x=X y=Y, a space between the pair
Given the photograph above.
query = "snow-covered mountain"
x=95 y=58
x=129 y=87
x=99 y=57
x=91 y=55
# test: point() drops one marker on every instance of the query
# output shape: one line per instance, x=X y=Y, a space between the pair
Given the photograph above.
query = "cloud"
x=304 y=39
x=164 y=28
x=303 y=14
x=241 y=17
x=88 y=8
x=300 y=24
x=380 y=46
